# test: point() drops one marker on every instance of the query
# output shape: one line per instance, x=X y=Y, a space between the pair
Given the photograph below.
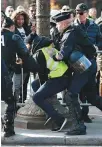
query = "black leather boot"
x=8 y=130
x=84 y=114
x=86 y=119
x=63 y=111
x=9 y=121
x=78 y=127
x=8 y=125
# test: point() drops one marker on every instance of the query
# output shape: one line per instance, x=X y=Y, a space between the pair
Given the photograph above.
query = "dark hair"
x=8 y=22
x=24 y=14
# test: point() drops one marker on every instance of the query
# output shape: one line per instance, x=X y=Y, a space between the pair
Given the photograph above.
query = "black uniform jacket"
x=72 y=39
x=9 y=49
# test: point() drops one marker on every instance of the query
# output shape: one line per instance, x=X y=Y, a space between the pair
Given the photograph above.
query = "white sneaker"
x=58 y=129
x=48 y=120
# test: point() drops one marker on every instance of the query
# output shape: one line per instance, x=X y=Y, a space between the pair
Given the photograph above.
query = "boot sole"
x=76 y=133
x=9 y=135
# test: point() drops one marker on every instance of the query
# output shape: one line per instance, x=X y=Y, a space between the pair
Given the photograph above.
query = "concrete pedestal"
x=30 y=116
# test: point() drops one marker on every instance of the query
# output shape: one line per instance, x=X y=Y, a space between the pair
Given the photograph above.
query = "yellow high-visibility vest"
x=57 y=68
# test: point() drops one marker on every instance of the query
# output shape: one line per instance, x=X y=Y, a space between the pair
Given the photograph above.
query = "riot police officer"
x=73 y=38
x=10 y=40
x=67 y=46
x=11 y=45
x=7 y=96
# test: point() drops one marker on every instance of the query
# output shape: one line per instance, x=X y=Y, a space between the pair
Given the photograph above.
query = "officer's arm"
x=29 y=39
x=21 y=48
x=43 y=73
x=23 y=53
x=67 y=45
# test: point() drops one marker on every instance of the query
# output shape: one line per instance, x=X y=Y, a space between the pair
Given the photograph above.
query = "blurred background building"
x=55 y=4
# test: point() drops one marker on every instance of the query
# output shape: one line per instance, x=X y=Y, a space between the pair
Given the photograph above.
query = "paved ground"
x=46 y=137
x=48 y=146
x=25 y=137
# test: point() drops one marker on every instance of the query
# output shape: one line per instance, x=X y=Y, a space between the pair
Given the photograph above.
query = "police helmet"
x=79 y=62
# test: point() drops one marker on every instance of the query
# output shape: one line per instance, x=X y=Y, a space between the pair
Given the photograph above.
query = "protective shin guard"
x=9 y=121
x=63 y=111
x=8 y=126
x=77 y=127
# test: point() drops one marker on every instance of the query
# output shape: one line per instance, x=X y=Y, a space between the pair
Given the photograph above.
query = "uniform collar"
x=67 y=29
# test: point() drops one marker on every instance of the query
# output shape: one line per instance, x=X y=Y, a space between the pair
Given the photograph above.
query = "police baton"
x=19 y=61
x=22 y=80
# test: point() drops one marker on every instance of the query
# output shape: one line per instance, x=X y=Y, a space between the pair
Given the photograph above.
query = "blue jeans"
x=48 y=89
x=35 y=85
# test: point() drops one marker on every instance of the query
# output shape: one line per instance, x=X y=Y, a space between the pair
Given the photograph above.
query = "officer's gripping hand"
x=58 y=57
x=19 y=61
x=22 y=49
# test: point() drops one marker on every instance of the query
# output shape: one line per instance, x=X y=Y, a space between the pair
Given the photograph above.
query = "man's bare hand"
x=19 y=61
x=33 y=27
x=28 y=46
x=59 y=56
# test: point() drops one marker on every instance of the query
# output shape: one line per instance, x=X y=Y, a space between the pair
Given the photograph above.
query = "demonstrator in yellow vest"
x=54 y=78
x=56 y=69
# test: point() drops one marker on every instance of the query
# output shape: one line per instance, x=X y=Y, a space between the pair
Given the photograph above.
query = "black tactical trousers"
x=7 y=97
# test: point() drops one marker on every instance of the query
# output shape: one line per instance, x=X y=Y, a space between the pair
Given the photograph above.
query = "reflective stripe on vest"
x=57 y=68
